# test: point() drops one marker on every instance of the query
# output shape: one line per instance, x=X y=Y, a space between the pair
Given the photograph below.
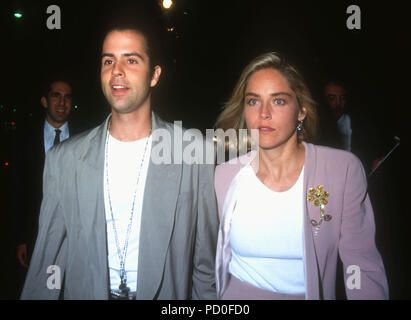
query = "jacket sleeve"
x=46 y=271
x=203 y=286
x=364 y=272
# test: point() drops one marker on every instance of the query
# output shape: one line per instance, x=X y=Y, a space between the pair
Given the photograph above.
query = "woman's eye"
x=107 y=62
x=252 y=102
x=279 y=101
x=132 y=61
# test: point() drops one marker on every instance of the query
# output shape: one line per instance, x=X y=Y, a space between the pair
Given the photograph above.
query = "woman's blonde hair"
x=232 y=115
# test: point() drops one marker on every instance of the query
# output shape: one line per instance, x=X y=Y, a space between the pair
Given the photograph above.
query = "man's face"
x=125 y=71
x=336 y=98
x=57 y=103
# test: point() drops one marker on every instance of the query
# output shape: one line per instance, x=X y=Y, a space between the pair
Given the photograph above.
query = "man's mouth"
x=118 y=89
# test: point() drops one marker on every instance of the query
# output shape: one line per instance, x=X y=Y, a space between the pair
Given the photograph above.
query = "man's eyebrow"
x=107 y=55
x=131 y=54
x=59 y=93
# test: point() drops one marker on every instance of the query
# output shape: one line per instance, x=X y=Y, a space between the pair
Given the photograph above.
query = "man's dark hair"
x=46 y=87
x=147 y=23
x=336 y=82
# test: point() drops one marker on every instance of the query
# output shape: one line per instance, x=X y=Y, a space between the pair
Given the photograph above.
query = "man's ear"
x=43 y=102
x=156 y=76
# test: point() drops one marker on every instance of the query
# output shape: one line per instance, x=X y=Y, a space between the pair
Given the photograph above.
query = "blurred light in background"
x=167 y=4
x=18 y=15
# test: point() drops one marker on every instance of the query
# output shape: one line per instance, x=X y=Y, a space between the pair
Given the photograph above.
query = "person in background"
x=33 y=143
x=335 y=96
x=343 y=126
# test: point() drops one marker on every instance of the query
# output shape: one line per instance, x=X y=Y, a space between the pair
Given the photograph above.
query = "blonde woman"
x=285 y=219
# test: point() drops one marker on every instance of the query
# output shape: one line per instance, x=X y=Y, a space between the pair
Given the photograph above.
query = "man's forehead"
x=60 y=86
x=125 y=38
x=333 y=89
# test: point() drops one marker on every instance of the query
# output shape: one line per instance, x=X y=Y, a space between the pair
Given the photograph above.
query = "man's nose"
x=62 y=101
x=67 y=101
x=117 y=69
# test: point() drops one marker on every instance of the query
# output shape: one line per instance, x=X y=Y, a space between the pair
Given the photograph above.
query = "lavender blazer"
x=350 y=232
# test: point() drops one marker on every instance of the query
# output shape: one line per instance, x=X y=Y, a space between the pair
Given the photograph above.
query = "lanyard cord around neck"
x=123 y=253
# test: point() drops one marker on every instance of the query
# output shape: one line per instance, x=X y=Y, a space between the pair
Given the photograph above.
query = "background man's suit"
x=178 y=225
x=29 y=156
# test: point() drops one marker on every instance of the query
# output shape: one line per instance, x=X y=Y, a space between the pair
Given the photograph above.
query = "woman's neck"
x=280 y=167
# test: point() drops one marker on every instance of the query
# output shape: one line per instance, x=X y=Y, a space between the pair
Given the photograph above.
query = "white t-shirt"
x=124 y=162
x=266 y=235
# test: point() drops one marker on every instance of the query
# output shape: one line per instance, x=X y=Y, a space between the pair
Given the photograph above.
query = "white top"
x=344 y=127
x=124 y=160
x=50 y=134
x=266 y=235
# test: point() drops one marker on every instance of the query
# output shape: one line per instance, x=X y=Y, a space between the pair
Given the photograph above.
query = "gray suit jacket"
x=178 y=225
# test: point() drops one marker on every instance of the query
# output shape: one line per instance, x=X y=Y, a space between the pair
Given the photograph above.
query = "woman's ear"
x=302 y=114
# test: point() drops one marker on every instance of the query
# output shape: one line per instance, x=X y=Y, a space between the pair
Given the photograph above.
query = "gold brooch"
x=319 y=198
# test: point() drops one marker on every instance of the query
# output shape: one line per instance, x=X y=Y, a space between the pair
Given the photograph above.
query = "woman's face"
x=271 y=107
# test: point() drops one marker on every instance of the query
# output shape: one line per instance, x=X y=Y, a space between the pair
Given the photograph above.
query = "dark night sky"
x=217 y=39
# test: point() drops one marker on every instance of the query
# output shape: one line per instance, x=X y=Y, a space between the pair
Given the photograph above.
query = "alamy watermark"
x=54 y=20
x=189 y=146
x=54 y=280
x=354 y=20
x=354 y=279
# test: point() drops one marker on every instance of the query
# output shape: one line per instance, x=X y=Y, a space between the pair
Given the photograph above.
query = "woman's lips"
x=265 y=129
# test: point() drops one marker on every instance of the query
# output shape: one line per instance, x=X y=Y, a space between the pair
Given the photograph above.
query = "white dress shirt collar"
x=49 y=134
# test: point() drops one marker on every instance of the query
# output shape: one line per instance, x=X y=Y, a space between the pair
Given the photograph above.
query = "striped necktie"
x=57 y=137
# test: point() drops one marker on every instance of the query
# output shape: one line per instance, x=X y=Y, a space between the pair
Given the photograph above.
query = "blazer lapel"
x=91 y=202
x=157 y=219
x=312 y=277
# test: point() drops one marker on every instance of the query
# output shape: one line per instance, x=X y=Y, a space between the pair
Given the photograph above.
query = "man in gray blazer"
x=116 y=223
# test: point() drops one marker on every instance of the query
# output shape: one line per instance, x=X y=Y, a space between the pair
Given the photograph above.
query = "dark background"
x=202 y=58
